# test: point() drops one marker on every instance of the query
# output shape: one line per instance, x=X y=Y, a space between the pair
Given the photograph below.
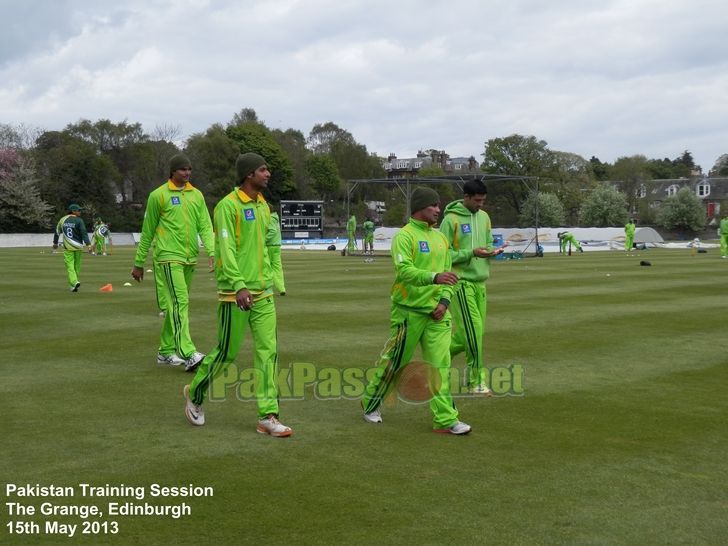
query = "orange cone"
x=106 y=288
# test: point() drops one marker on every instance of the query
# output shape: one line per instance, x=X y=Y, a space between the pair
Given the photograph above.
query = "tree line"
x=110 y=168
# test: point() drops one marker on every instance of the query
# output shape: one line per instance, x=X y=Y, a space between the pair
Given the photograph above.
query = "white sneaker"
x=458 y=428
x=194 y=413
x=192 y=362
x=482 y=390
x=271 y=425
x=76 y=287
x=373 y=416
x=172 y=360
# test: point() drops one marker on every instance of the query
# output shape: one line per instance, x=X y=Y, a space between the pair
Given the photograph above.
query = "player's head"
x=74 y=209
x=182 y=163
x=252 y=168
x=425 y=205
x=474 y=194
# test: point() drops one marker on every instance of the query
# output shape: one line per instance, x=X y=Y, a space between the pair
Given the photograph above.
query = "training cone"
x=106 y=288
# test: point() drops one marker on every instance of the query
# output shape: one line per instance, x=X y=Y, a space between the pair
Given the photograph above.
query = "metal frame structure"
x=405 y=186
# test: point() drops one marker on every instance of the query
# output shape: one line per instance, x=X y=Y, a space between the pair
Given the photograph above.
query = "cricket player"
x=421 y=295
x=368 y=227
x=101 y=234
x=351 y=234
x=245 y=294
x=176 y=214
x=75 y=238
x=629 y=230
x=566 y=237
x=467 y=229
x=724 y=236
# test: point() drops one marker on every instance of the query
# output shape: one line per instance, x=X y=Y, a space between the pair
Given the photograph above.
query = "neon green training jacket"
x=465 y=232
x=241 y=226
x=175 y=216
x=419 y=253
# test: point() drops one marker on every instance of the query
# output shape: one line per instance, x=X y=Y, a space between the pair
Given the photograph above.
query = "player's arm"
x=205 y=226
x=449 y=229
x=226 y=251
x=149 y=227
x=403 y=257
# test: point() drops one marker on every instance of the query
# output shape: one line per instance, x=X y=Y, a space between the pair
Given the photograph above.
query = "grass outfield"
x=620 y=436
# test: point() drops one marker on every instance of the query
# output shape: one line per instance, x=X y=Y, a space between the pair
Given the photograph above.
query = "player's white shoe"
x=194 y=413
x=76 y=287
x=458 y=428
x=373 y=416
x=171 y=360
x=192 y=362
x=481 y=390
x=271 y=425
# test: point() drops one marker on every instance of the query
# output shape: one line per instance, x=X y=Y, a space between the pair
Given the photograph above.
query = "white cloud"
x=604 y=78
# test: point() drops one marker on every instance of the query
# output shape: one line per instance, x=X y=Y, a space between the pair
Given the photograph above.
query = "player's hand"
x=137 y=273
x=211 y=263
x=446 y=277
x=439 y=312
x=244 y=299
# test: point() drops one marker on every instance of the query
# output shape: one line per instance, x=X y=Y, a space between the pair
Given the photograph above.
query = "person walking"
x=724 y=236
x=175 y=216
x=71 y=229
x=351 y=234
x=419 y=314
x=467 y=229
x=368 y=227
x=245 y=294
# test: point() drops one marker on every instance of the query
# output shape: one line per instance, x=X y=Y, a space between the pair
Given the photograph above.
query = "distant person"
x=175 y=216
x=419 y=315
x=466 y=226
x=351 y=234
x=368 y=227
x=724 y=235
x=75 y=240
x=273 y=243
x=102 y=234
x=245 y=294
x=629 y=230
x=566 y=237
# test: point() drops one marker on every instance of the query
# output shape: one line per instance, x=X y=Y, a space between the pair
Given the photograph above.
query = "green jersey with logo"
x=419 y=253
x=73 y=231
x=466 y=231
x=174 y=218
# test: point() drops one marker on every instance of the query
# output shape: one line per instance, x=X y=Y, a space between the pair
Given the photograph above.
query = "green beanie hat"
x=179 y=161
x=423 y=198
x=73 y=207
x=248 y=163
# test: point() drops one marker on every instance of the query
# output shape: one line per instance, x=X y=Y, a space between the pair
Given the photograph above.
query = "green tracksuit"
x=273 y=244
x=241 y=226
x=465 y=232
x=419 y=252
x=629 y=230
x=351 y=234
x=75 y=236
x=724 y=237
x=368 y=228
x=564 y=241
x=173 y=220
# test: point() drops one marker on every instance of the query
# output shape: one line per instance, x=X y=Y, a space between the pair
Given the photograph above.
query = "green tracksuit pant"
x=72 y=259
x=468 y=314
x=724 y=245
x=100 y=245
x=351 y=244
x=408 y=329
x=176 y=284
x=232 y=323
x=628 y=241
x=159 y=286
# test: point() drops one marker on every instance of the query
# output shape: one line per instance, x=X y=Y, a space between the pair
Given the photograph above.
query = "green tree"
x=324 y=175
x=515 y=155
x=720 y=167
x=546 y=206
x=255 y=137
x=600 y=170
x=570 y=178
x=629 y=173
x=213 y=154
x=604 y=207
x=20 y=201
x=682 y=211
x=293 y=144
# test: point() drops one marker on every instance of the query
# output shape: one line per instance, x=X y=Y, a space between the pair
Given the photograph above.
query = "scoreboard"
x=302 y=219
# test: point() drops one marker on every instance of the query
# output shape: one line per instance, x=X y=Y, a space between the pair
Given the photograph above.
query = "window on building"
x=672 y=190
x=418 y=164
x=458 y=166
x=703 y=189
x=401 y=164
x=642 y=191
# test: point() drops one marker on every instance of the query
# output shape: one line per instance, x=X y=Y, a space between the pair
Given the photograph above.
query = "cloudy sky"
x=608 y=78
